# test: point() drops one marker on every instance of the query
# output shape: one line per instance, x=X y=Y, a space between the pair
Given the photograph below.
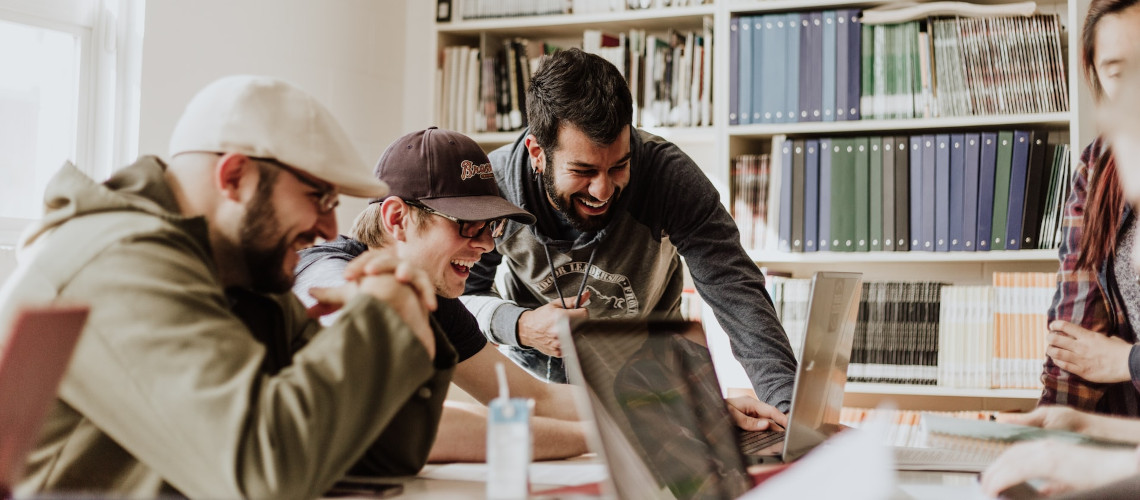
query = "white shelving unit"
x=714 y=147
x=1049 y=256
x=926 y=397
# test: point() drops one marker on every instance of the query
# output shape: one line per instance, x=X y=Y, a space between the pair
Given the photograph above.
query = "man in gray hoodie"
x=198 y=373
x=617 y=208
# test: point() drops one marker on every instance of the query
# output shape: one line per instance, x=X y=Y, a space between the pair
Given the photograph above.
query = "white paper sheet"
x=853 y=457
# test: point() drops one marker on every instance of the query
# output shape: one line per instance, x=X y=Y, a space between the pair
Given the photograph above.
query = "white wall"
x=348 y=53
x=419 y=65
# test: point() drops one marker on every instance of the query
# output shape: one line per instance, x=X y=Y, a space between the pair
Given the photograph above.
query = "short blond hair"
x=368 y=226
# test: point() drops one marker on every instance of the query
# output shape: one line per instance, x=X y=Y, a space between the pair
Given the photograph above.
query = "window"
x=68 y=93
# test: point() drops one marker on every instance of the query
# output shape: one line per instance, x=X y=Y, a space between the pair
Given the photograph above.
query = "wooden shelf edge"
x=494 y=137
x=870 y=126
x=770 y=257
x=687 y=135
x=939 y=391
x=747 y=6
x=575 y=20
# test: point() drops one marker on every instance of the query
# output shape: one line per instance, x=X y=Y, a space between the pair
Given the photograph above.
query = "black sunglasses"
x=467 y=228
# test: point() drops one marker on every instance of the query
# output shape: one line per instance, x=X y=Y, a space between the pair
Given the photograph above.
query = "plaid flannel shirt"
x=1090 y=300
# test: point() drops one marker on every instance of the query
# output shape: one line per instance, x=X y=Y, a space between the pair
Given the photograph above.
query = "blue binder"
x=969 y=228
x=747 y=60
x=1018 y=171
x=765 y=78
x=854 y=66
x=811 y=194
x=841 y=63
x=915 y=154
x=957 y=191
x=829 y=73
x=942 y=192
x=791 y=76
x=734 y=71
x=806 y=62
x=815 y=82
x=929 y=196
x=987 y=164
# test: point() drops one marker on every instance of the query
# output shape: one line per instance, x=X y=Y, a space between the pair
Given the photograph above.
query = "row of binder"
x=830 y=66
x=975 y=191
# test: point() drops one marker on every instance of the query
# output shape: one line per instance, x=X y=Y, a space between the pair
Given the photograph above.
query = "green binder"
x=842 y=196
x=1001 y=189
x=862 y=194
x=876 y=195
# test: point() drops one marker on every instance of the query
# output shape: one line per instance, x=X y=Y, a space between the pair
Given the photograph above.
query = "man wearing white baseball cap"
x=198 y=373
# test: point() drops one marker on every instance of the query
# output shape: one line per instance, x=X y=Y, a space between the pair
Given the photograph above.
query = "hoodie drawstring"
x=585 y=276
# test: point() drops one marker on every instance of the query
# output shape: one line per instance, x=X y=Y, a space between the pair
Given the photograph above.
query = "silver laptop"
x=663 y=428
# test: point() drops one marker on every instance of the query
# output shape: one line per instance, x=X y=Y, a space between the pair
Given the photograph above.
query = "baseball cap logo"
x=469 y=169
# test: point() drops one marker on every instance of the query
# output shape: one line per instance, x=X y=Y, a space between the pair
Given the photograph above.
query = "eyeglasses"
x=329 y=197
x=467 y=228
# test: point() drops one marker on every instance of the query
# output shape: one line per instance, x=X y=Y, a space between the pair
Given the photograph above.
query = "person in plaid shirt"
x=1096 y=293
x=1092 y=362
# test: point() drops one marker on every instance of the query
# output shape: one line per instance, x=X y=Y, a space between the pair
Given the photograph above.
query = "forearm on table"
x=555 y=401
x=1112 y=428
x=462 y=436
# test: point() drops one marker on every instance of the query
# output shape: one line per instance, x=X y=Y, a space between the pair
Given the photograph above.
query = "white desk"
x=910 y=485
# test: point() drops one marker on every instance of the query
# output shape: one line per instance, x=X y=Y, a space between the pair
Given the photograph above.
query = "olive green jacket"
x=169 y=391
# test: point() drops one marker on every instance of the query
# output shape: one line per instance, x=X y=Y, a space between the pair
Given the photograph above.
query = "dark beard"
x=264 y=261
x=565 y=205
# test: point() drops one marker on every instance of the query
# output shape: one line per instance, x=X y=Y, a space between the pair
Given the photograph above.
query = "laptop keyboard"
x=752 y=442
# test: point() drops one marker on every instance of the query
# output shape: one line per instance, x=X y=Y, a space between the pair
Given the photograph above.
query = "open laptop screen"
x=653 y=391
x=821 y=375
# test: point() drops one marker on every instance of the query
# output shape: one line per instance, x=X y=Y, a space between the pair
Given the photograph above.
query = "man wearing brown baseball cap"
x=442 y=212
x=197 y=375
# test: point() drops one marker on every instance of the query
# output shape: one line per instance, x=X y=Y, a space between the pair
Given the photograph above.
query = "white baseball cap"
x=264 y=117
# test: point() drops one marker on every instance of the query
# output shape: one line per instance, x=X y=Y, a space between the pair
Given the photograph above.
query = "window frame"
x=110 y=51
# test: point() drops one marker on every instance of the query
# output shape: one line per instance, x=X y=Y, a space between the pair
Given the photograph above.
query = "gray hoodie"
x=668 y=210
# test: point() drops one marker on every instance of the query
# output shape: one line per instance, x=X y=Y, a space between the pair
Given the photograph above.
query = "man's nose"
x=326 y=225
x=601 y=188
x=484 y=242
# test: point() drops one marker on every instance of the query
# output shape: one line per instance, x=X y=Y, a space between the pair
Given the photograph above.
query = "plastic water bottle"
x=508 y=443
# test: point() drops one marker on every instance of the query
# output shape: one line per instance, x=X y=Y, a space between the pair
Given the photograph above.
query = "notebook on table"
x=34 y=355
x=1004 y=432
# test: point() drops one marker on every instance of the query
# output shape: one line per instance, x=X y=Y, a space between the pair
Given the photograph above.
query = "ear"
x=236 y=176
x=537 y=154
x=395 y=215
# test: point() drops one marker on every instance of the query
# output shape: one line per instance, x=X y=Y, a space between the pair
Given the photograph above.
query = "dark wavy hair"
x=580 y=89
x=1105 y=204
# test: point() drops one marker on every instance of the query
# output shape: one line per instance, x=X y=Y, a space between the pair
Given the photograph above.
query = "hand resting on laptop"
x=750 y=415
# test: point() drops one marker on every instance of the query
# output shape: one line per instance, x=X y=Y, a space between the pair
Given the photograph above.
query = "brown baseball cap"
x=448 y=172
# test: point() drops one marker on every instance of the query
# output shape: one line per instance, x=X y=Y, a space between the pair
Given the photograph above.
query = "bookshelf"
x=713 y=148
x=935 y=398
